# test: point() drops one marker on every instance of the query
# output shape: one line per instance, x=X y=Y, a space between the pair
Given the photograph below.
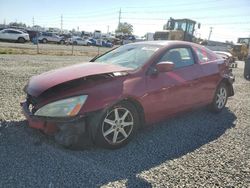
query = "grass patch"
x=5 y=51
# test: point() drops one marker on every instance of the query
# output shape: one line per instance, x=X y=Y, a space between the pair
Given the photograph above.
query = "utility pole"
x=119 y=22
x=209 y=36
x=33 y=21
x=61 y=23
x=108 y=29
x=4 y=21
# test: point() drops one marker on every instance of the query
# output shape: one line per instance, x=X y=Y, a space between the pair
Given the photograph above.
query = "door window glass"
x=203 y=55
x=181 y=57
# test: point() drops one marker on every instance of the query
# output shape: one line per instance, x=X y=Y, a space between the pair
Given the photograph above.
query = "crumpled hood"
x=38 y=84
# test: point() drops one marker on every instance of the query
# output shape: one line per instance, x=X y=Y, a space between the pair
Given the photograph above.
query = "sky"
x=229 y=19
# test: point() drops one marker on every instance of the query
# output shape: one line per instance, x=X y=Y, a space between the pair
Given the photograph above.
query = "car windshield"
x=131 y=56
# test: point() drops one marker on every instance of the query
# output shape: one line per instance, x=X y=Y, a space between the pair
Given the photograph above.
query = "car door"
x=13 y=35
x=177 y=90
x=50 y=37
x=81 y=42
x=211 y=73
x=5 y=35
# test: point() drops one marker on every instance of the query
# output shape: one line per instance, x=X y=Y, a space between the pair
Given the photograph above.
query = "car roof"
x=13 y=29
x=166 y=43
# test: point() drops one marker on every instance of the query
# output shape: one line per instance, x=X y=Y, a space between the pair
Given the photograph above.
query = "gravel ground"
x=197 y=149
x=49 y=49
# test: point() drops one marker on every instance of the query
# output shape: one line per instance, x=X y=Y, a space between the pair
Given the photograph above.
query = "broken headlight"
x=66 y=107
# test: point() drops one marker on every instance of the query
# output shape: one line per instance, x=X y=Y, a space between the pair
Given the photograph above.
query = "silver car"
x=79 y=41
x=46 y=37
x=14 y=35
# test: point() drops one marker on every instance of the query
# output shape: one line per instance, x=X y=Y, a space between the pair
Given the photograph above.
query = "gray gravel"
x=197 y=149
x=50 y=49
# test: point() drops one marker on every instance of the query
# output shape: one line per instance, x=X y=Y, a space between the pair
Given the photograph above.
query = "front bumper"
x=69 y=132
x=49 y=125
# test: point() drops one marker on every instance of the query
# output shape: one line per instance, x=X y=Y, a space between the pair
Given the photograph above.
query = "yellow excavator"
x=240 y=50
x=177 y=29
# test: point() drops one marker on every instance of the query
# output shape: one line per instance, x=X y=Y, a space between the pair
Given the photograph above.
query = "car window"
x=181 y=57
x=203 y=55
x=6 y=31
x=14 y=32
x=131 y=56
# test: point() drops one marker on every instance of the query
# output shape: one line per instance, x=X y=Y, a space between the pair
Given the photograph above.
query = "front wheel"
x=220 y=98
x=117 y=126
x=62 y=42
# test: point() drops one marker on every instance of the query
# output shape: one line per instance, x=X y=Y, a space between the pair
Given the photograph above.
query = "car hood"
x=38 y=84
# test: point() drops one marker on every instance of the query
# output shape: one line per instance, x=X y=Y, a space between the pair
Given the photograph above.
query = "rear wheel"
x=62 y=42
x=75 y=43
x=21 y=40
x=45 y=41
x=117 y=126
x=220 y=98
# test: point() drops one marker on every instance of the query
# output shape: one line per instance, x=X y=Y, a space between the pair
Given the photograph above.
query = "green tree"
x=125 y=28
x=15 y=24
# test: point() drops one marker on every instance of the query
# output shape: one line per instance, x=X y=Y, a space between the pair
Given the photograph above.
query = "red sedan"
x=109 y=98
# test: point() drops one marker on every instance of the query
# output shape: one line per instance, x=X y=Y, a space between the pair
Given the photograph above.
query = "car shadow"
x=151 y=147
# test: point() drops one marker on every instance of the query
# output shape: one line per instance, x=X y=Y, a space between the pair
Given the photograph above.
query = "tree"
x=125 y=28
x=15 y=24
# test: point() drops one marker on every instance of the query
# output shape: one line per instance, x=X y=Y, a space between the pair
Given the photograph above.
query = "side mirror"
x=199 y=25
x=165 y=66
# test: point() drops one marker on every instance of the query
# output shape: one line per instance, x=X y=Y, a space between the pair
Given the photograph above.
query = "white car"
x=79 y=41
x=14 y=35
x=46 y=37
x=229 y=57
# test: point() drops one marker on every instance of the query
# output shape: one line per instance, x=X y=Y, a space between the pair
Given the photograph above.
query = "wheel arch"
x=94 y=117
x=139 y=109
x=18 y=39
x=229 y=86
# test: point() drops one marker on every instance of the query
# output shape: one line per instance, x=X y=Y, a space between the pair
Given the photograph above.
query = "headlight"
x=66 y=107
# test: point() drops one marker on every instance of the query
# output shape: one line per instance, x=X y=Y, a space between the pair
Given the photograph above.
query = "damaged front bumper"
x=66 y=130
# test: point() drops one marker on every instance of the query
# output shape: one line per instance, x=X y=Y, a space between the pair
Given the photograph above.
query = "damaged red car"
x=109 y=98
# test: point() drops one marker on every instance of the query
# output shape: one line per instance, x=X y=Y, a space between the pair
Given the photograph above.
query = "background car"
x=107 y=44
x=14 y=35
x=93 y=41
x=229 y=57
x=102 y=43
x=108 y=99
x=45 y=37
x=79 y=41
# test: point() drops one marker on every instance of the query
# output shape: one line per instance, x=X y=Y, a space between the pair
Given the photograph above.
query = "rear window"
x=204 y=55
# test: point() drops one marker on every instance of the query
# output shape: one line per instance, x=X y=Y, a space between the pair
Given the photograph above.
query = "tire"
x=21 y=40
x=220 y=98
x=45 y=41
x=117 y=126
x=74 y=43
x=62 y=42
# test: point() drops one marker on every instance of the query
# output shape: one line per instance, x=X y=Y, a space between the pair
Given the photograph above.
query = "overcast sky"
x=230 y=19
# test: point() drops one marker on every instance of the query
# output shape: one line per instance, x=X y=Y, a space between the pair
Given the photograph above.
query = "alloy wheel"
x=117 y=125
x=221 y=97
